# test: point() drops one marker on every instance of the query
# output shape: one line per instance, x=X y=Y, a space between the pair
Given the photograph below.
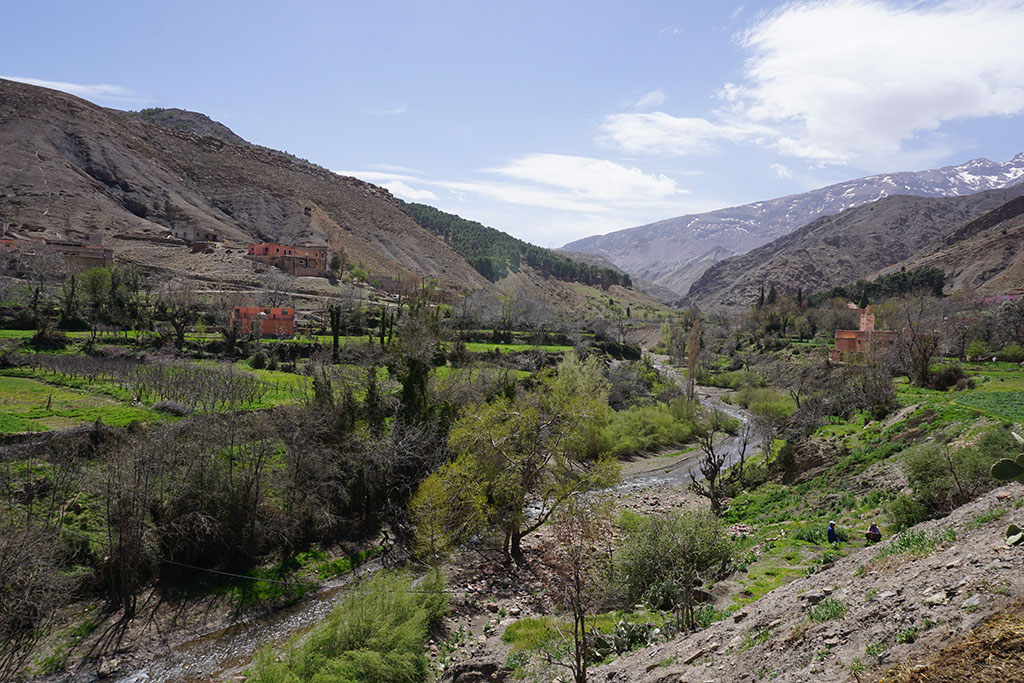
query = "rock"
x=813 y=597
x=973 y=601
x=934 y=599
x=106 y=667
x=832 y=642
x=1003 y=495
x=492 y=608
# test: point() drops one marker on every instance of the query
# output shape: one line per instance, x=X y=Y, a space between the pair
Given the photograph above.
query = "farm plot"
x=29 y=405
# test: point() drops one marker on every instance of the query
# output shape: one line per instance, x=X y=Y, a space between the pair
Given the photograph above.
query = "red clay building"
x=864 y=340
x=263 y=322
x=294 y=260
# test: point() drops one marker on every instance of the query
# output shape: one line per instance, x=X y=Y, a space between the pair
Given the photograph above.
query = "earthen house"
x=293 y=260
x=261 y=321
x=865 y=340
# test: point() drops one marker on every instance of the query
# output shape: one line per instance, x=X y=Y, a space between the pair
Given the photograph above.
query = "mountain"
x=71 y=170
x=984 y=256
x=495 y=254
x=675 y=252
x=834 y=250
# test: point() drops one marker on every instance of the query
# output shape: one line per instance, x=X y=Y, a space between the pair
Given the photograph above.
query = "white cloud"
x=651 y=100
x=853 y=78
x=781 y=171
x=670 y=31
x=549 y=199
x=399 y=188
x=594 y=179
x=661 y=133
x=387 y=111
x=103 y=92
x=840 y=81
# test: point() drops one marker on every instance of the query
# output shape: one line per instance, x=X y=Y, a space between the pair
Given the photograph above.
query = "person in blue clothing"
x=833 y=537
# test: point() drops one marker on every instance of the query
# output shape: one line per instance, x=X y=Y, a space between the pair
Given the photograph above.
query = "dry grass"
x=992 y=653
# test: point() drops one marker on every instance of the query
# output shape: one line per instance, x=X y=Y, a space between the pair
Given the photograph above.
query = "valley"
x=262 y=421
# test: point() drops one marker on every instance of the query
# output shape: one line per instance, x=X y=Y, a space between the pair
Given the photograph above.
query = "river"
x=225 y=653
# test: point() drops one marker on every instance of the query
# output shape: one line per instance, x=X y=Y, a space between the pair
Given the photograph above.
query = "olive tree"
x=539 y=447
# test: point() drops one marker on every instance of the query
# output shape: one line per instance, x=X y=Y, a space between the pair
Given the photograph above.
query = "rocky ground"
x=891 y=614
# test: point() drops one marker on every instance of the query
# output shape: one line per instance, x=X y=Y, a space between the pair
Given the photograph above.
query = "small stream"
x=226 y=652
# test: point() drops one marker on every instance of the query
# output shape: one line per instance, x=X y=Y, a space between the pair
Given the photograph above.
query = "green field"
x=30 y=405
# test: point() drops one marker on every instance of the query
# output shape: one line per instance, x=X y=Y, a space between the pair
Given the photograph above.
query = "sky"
x=557 y=120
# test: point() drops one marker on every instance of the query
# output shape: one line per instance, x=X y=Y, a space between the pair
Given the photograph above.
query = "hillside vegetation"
x=495 y=254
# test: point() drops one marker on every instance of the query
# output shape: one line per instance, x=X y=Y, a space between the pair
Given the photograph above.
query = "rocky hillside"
x=951 y=613
x=675 y=252
x=838 y=249
x=71 y=169
x=985 y=255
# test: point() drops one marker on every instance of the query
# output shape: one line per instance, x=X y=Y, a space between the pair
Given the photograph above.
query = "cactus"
x=1014 y=535
x=1009 y=470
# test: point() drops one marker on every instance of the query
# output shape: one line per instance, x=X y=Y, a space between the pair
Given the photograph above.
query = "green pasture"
x=28 y=404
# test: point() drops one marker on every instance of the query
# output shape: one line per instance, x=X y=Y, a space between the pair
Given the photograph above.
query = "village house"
x=261 y=321
x=294 y=260
x=864 y=340
x=80 y=256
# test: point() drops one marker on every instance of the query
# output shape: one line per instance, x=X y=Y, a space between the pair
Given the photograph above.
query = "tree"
x=919 y=344
x=707 y=432
x=577 y=555
x=178 y=304
x=693 y=346
x=541 y=445
x=677 y=551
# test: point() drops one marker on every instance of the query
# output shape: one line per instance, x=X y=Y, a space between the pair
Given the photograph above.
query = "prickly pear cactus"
x=1009 y=470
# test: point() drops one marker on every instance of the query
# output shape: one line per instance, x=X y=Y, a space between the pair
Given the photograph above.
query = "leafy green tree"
x=672 y=555
x=540 y=446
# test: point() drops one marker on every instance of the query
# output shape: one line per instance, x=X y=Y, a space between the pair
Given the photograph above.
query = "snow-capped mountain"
x=675 y=252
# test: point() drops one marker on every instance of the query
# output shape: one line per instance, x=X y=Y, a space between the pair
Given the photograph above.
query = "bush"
x=906 y=511
x=377 y=634
x=978 y=350
x=947 y=377
x=642 y=428
x=1012 y=353
x=943 y=479
x=670 y=550
x=258 y=360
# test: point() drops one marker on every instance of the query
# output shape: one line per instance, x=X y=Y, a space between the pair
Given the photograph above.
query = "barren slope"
x=70 y=168
x=838 y=249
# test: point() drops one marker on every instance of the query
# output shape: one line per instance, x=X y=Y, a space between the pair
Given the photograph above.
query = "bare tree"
x=577 y=555
x=178 y=304
x=712 y=484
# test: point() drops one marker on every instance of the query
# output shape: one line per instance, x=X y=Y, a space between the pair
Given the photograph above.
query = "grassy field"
x=31 y=405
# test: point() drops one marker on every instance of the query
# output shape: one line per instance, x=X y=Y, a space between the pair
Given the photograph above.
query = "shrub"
x=951 y=376
x=944 y=479
x=642 y=428
x=1012 y=353
x=978 y=350
x=679 y=549
x=377 y=634
x=828 y=610
x=258 y=360
x=906 y=511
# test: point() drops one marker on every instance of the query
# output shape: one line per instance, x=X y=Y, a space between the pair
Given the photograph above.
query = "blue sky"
x=557 y=120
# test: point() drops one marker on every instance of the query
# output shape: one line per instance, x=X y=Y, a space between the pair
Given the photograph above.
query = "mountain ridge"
x=675 y=252
x=845 y=247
